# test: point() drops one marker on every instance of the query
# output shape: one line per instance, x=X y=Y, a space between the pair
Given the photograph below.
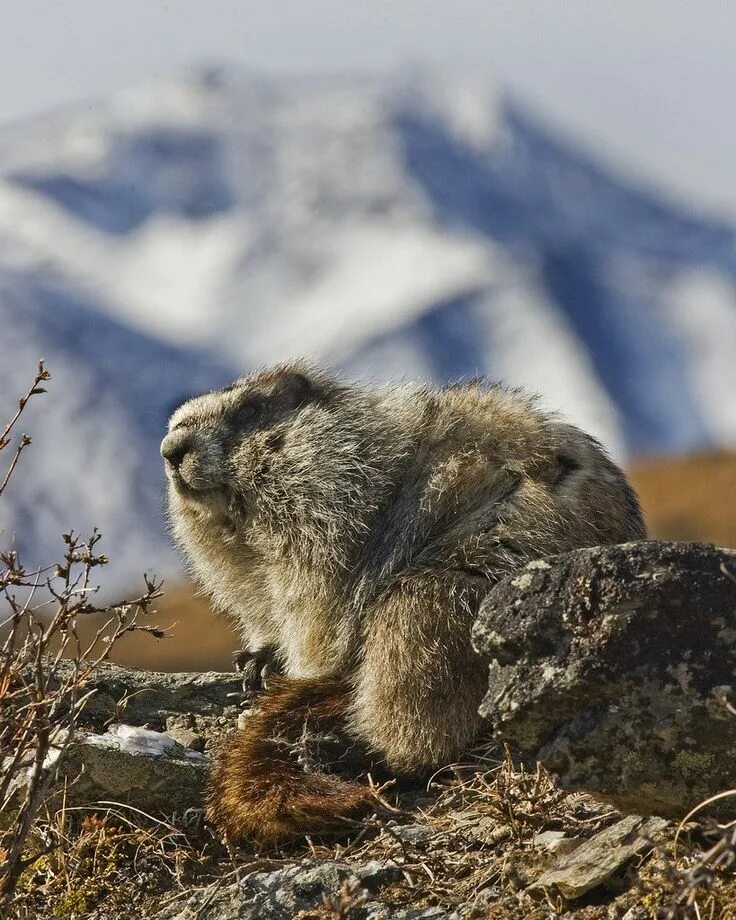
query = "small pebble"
x=187 y=738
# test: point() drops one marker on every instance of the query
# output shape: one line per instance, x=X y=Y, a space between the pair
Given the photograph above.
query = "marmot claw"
x=256 y=668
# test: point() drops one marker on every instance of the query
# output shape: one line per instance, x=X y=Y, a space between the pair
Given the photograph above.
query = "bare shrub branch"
x=34 y=390
x=40 y=703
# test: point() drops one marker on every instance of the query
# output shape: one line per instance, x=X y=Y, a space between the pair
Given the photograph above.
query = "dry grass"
x=693 y=879
x=115 y=863
x=479 y=821
x=467 y=840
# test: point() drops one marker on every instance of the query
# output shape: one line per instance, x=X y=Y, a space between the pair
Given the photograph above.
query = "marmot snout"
x=216 y=442
x=355 y=531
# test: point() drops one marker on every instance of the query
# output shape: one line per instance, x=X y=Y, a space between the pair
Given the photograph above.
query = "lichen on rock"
x=616 y=668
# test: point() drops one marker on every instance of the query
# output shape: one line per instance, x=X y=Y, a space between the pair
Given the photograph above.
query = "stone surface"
x=282 y=894
x=615 y=667
x=556 y=842
x=127 y=765
x=186 y=738
x=415 y=834
x=151 y=697
x=594 y=862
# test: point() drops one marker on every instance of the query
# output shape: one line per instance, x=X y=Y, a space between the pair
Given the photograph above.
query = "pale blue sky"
x=648 y=82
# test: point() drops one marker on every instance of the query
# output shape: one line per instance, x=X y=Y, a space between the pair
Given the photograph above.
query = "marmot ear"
x=300 y=388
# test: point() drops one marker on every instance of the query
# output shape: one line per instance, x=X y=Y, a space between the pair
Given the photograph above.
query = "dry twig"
x=40 y=705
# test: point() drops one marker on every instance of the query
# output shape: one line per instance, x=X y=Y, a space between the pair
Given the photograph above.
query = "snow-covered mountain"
x=412 y=225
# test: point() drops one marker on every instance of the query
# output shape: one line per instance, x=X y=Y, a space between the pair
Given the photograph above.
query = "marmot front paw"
x=256 y=668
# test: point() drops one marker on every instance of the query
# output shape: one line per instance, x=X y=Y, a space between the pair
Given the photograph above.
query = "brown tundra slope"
x=689 y=498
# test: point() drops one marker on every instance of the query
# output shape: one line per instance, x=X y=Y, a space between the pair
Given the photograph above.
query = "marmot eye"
x=247 y=412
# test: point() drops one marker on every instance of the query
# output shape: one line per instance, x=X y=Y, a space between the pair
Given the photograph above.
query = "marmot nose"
x=175 y=446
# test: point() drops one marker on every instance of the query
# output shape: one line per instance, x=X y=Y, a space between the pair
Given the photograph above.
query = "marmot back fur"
x=354 y=532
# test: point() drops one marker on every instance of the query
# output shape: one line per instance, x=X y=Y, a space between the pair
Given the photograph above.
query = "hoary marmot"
x=352 y=533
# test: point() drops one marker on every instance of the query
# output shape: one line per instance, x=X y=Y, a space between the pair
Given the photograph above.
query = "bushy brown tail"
x=258 y=790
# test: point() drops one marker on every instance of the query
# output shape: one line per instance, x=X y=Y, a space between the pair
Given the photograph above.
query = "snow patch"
x=142 y=742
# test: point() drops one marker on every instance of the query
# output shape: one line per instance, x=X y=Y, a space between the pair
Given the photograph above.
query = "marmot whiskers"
x=352 y=533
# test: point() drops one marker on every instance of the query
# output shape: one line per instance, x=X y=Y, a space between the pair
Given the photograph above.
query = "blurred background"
x=543 y=193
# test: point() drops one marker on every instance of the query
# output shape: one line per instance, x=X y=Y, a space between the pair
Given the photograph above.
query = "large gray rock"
x=127 y=766
x=616 y=668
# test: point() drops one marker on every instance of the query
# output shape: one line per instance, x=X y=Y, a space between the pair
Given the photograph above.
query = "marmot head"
x=219 y=444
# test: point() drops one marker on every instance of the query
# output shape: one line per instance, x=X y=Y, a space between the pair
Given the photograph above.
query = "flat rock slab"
x=616 y=668
x=594 y=862
x=148 y=697
x=130 y=766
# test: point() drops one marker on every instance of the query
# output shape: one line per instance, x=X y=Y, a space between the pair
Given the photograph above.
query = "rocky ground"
x=610 y=719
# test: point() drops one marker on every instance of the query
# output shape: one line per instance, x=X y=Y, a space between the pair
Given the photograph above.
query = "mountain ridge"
x=402 y=226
